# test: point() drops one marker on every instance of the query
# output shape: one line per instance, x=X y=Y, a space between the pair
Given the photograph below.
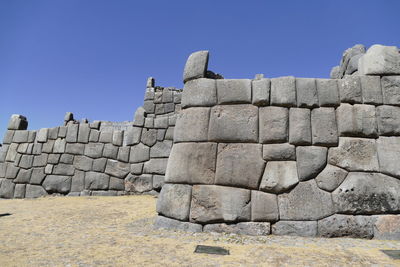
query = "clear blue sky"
x=92 y=57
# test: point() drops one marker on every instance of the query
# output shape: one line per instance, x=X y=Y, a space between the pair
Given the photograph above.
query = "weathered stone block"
x=279 y=176
x=34 y=191
x=139 y=184
x=149 y=106
x=273 y=124
x=389 y=155
x=199 y=93
x=26 y=161
x=62 y=131
x=192 y=125
x=357 y=120
x=78 y=181
x=305 y=202
x=339 y=225
x=388 y=120
x=355 y=154
x=330 y=178
x=123 y=154
x=99 y=165
x=174 y=201
x=367 y=193
x=94 y=150
x=380 y=60
x=84 y=132
x=106 y=137
x=83 y=163
x=116 y=184
x=231 y=160
x=96 y=181
x=161 y=149
x=133 y=135
x=57 y=184
x=75 y=149
x=283 y=91
x=149 y=136
x=328 y=92
x=243 y=228
x=279 y=152
x=7 y=189
x=196 y=66
x=260 y=92
x=387 y=227
x=40 y=160
x=110 y=151
x=300 y=126
x=20 y=136
x=72 y=133
x=17 y=122
x=53 y=158
x=169 y=134
x=371 y=90
x=117 y=169
x=212 y=203
x=157 y=166
x=264 y=207
x=42 y=135
x=59 y=146
x=19 y=191
x=63 y=169
x=23 y=177
x=37 y=176
x=295 y=228
x=234 y=91
x=48 y=146
x=323 y=127
x=311 y=160
x=167 y=223
x=233 y=123
x=137 y=168
x=161 y=122
x=140 y=114
x=192 y=163
x=8 y=137
x=53 y=133
x=67 y=158
x=350 y=89
x=391 y=90
x=139 y=153
x=158 y=182
x=12 y=152
x=306 y=92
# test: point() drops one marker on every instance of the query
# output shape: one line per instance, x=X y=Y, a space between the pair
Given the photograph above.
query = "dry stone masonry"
x=284 y=156
x=288 y=156
x=97 y=158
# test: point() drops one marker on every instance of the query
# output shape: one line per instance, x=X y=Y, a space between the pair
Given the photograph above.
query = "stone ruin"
x=287 y=156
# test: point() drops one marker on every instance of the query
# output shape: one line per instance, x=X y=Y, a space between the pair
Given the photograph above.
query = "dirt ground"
x=117 y=231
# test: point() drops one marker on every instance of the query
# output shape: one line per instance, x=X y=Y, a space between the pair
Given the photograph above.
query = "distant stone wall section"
x=302 y=156
x=98 y=158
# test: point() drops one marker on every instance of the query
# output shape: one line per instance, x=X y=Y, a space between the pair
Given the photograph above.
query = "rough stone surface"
x=34 y=191
x=149 y=136
x=279 y=152
x=306 y=92
x=174 y=201
x=94 y=150
x=212 y=204
x=200 y=92
x=83 y=163
x=389 y=154
x=196 y=66
x=138 y=183
x=357 y=120
x=243 y=228
x=233 y=123
x=300 y=126
x=279 y=176
x=273 y=124
x=96 y=181
x=387 y=227
x=371 y=90
x=139 y=153
x=57 y=184
x=17 y=122
x=305 y=202
x=264 y=207
x=260 y=92
x=328 y=92
x=192 y=163
x=296 y=228
x=355 y=154
x=7 y=189
x=283 y=91
x=380 y=60
x=168 y=223
x=311 y=160
x=367 y=193
x=350 y=90
x=117 y=169
x=339 y=225
x=192 y=125
x=230 y=161
x=156 y=166
x=391 y=89
x=388 y=120
x=330 y=178
x=234 y=91
x=323 y=127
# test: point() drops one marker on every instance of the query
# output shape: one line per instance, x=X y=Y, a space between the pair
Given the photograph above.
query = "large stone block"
x=59 y=146
x=57 y=184
x=12 y=152
x=371 y=90
x=78 y=181
x=330 y=178
x=199 y=93
x=388 y=120
x=116 y=184
x=174 y=201
x=367 y=193
x=279 y=176
x=42 y=135
x=7 y=188
x=295 y=228
x=96 y=181
x=84 y=132
x=37 y=176
x=354 y=154
x=20 y=136
x=156 y=166
x=123 y=154
x=283 y=91
x=75 y=149
x=340 y=225
x=94 y=150
x=305 y=202
x=311 y=160
x=133 y=135
x=234 y=91
x=23 y=177
x=34 y=191
x=110 y=151
x=149 y=136
x=19 y=191
x=323 y=127
x=63 y=169
x=26 y=161
x=192 y=125
x=306 y=92
x=350 y=89
x=243 y=228
x=40 y=160
x=139 y=153
x=260 y=92
x=380 y=60
x=234 y=123
x=389 y=155
x=387 y=227
x=17 y=122
x=8 y=137
x=105 y=136
x=72 y=133
x=192 y=163
x=117 y=169
x=196 y=66
x=273 y=124
x=391 y=90
x=161 y=122
x=233 y=163
x=279 y=152
x=139 y=117
x=328 y=92
x=83 y=163
x=138 y=183
x=357 y=120
x=99 y=165
x=213 y=203
x=167 y=223
x=300 y=126
x=264 y=207
x=161 y=149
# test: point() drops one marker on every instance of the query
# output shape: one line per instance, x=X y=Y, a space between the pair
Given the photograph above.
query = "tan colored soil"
x=117 y=231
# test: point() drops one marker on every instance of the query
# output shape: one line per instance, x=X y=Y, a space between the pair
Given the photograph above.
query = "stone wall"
x=98 y=158
x=302 y=156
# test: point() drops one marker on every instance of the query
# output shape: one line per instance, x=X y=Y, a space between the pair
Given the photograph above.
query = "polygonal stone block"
x=84 y=132
x=389 y=155
x=199 y=93
x=340 y=225
x=391 y=90
x=57 y=184
x=196 y=66
x=311 y=160
x=260 y=92
x=371 y=90
x=328 y=92
x=295 y=228
x=264 y=207
x=72 y=133
x=357 y=120
x=299 y=126
x=324 y=127
x=279 y=176
x=174 y=201
x=283 y=91
x=380 y=60
x=306 y=92
x=139 y=153
x=139 y=183
x=273 y=124
x=17 y=122
x=192 y=125
x=156 y=166
x=234 y=91
x=350 y=89
x=94 y=150
x=388 y=120
x=279 y=152
x=96 y=181
x=330 y=178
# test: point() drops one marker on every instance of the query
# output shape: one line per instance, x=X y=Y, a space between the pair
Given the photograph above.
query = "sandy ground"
x=117 y=231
